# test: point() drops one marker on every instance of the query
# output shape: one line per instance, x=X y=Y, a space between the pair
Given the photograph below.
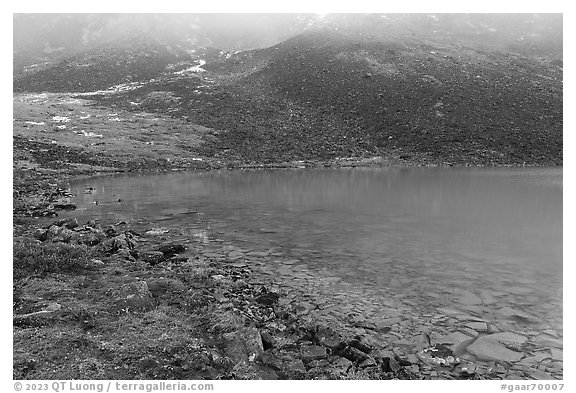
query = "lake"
x=426 y=245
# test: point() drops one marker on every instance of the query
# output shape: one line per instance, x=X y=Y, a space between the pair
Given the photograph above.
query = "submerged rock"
x=469 y=298
x=548 y=340
x=522 y=316
x=496 y=347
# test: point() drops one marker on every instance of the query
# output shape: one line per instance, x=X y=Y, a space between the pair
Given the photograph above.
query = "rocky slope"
x=446 y=89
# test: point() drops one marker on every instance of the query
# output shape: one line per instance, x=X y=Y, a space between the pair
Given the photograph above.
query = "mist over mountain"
x=52 y=37
x=481 y=88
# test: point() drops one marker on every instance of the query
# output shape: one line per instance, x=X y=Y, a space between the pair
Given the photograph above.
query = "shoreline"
x=258 y=334
x=103 y=314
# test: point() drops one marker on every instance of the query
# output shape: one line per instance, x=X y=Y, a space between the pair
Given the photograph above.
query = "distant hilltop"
x=460 y=88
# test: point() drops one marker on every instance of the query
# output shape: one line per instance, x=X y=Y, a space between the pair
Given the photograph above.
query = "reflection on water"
x=428 y=234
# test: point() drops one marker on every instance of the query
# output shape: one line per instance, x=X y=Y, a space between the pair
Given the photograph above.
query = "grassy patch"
x=31 y=256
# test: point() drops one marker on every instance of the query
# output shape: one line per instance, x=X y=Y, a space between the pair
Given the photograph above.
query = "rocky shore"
x=115 y=300
x=130 y=282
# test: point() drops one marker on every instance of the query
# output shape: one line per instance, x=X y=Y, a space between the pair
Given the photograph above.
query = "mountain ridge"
x=335 y=91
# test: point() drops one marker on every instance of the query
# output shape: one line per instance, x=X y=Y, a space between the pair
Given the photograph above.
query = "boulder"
x=122 y=244
x=353 y=354
x=69 y=223
x=134 y=297
x=244 y=345
x=152 y=257
x=61 y=234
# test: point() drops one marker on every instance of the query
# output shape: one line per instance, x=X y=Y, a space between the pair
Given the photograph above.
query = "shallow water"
x=372 y=238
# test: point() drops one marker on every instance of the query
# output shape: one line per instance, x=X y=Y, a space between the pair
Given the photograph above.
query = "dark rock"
x=110 y=231
x=353 y=354
x=178 y=259
x=267 y=298
x=360 y=345
x=121 y=244
x=92 y=223
x=41 y=234
x=152 y=257
x=438 y=354
x=171 y=249
x=65 y=206
x=267 y=340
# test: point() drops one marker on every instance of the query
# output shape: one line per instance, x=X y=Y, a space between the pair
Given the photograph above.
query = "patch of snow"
x=121 y=88
x=85 y=117
x=61 y=119
x=197 y=159
x=135 y=103
x=41 y=123
x=61 y=127
x=91 y=134
x=194 y=69
x=224 y=53
x=116 y=119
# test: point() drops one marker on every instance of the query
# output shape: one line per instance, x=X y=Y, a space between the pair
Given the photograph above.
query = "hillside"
x=438 y=89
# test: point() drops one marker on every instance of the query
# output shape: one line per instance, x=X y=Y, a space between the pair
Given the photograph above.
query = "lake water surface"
x=367 y=240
